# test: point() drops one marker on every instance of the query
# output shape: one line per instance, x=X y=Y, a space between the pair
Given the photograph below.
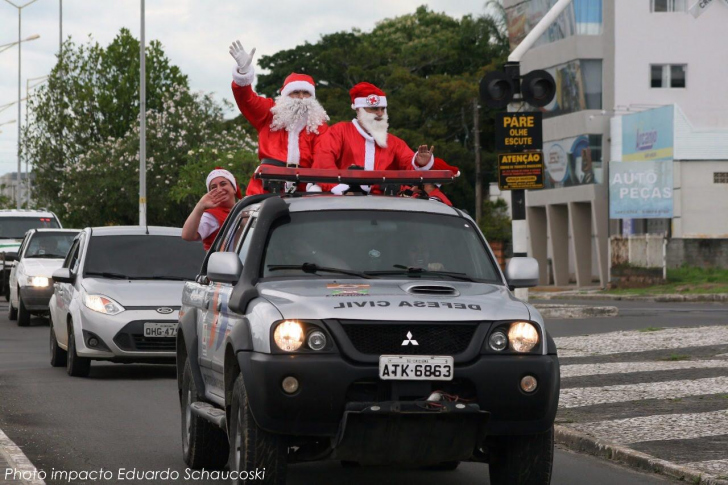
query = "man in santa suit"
x=213 y=208
x=365 y=142
x=287 y=126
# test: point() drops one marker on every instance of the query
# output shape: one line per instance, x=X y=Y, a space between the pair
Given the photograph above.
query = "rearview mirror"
x=11 y=256
x=522 y=272
x=63 y=275
x=224 y=267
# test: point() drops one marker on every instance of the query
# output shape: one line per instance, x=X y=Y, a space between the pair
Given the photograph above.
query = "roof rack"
x=353 y=177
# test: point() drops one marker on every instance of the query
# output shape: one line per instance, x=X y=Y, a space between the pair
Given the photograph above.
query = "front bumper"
x=122 y=337
x=36 y=299
x=328 y=384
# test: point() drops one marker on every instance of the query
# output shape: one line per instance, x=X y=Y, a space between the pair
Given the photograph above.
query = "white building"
x=611 y=59
x=9 y=187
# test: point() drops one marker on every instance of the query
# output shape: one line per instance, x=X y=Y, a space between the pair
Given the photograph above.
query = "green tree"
x=428 y=63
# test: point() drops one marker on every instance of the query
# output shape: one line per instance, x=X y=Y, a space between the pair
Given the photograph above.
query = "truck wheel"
x=76 y=366
x=23 y=313
x=12 y=311
x=204 y=445
x=252 y=448
x=58 y=355
x=522 y=460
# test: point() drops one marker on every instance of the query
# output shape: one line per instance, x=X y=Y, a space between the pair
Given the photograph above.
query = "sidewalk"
x=545 y=293
x=12 y=457
x=655 y=400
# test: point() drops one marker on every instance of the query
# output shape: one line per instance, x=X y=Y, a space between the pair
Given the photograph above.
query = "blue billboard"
x=648 y=135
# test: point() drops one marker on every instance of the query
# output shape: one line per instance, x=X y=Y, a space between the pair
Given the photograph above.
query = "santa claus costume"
x=364 y=142
x=433 y=190
x=213 y=219
x=287 y=127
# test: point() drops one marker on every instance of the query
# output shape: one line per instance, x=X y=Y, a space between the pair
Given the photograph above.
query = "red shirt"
x=220 y=213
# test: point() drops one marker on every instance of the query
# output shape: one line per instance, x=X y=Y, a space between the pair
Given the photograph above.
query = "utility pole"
x=142 y=129
x=478 y=176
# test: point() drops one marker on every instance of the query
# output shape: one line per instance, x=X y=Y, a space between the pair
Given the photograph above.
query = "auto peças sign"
x=518 y=131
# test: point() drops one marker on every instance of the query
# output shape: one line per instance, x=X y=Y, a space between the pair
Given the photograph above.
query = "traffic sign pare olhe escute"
x=518 y=131
x=520 y=171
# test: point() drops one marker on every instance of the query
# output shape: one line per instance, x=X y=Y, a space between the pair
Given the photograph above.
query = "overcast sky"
x=195 y=34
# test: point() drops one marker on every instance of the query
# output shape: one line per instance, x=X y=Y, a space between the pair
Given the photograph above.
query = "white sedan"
x=40 y=254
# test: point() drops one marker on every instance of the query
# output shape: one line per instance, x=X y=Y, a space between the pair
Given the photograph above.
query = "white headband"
x=220 y=172
x=371 y=101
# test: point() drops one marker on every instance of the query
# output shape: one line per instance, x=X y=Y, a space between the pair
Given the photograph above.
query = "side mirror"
x=63 y=275
x=522 y=272
x=11 y=256
x=224 y=267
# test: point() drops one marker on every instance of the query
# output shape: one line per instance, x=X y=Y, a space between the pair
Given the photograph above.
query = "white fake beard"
x=378 y=129
x=294 y=114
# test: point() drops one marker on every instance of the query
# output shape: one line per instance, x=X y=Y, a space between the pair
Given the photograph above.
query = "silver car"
x=41 y=252
x=364 y=329
x=117 y=296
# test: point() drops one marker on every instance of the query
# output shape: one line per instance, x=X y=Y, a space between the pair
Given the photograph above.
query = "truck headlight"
x=37 y=281
x=102 y=304
x=289 y=336
x=523 y=336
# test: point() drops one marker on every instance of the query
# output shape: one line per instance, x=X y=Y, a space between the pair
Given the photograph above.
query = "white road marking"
x=658 y=428
x=635 y=341
x=579 y=370
x=714 y=467
x=18 y=461
x=588 y=396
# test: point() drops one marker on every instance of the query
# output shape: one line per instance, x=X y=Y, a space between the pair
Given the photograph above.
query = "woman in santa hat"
x=213 y=208
x=287 y=126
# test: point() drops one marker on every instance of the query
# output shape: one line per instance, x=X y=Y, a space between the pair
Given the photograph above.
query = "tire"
x=12 y=311
x=522 y=460
x=76 y=366
x=204 y=445
x=58 y=355
x=23 y=313
x=252 y=448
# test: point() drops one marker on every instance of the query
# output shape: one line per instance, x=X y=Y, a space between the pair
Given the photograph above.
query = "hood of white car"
x=41 y=267
x=130 y=293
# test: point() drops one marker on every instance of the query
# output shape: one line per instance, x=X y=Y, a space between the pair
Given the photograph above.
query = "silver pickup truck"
x=364 y=329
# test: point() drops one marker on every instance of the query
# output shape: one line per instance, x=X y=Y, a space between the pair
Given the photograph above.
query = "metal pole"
x=142 y=129
x=478 y=177
x=27 y=175
x=17 y=193
x=538 y=30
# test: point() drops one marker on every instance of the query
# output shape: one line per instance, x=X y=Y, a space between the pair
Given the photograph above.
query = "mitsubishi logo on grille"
x=409 y=340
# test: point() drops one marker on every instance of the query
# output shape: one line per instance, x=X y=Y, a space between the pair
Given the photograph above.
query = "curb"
x=17 y=460
x=555 y=310
x=708 y=297
x=583 y=443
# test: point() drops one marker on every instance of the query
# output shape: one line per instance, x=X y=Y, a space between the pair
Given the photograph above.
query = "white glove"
x=243 y=59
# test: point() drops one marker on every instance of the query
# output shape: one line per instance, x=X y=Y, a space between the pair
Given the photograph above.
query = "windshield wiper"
x=314 y=268
x=416 y=271
x=157 y=277
x=46 y=256
x=107 y=274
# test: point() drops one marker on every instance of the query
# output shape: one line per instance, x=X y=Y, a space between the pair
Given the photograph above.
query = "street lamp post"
x=20 y=9
x=142 y=127
x=40 y=80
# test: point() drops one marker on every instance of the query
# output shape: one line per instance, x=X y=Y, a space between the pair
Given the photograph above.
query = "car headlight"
x=289 y=336
x=523 y=336
x=102 y=304
x=38 y=281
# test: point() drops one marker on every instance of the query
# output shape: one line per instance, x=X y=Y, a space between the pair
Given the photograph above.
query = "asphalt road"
x=127 y=416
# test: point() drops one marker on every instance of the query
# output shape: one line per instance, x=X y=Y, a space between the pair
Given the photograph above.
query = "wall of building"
x=699 y=203
x=643 y=38
x=702 y=253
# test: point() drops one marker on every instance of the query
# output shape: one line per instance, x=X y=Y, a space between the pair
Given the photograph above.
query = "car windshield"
x=16 y=227
x=384 y=244
x=49 y=245
x=143 y=257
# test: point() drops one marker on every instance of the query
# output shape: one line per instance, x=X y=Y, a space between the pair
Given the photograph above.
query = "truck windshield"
x=16 y=227
x=49 y=245
x=383 y=244
x=140 y=257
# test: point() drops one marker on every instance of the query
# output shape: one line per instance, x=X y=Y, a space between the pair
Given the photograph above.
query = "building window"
x=720 y=177
x=669 y=5
x=668 y=75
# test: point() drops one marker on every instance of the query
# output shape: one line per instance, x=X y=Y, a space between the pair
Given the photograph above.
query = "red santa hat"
x=298 y=82
x=221 y=172
x=367 y=95
x=441 y=164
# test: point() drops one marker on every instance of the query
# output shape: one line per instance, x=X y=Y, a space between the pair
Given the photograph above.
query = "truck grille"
x=431 y=339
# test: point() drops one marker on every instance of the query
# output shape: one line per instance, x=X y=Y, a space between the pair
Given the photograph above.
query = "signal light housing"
x=497 y=89
x=538 y=88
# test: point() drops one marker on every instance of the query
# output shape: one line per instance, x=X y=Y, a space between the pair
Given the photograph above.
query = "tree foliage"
x=83 y=137
x=428 y=63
